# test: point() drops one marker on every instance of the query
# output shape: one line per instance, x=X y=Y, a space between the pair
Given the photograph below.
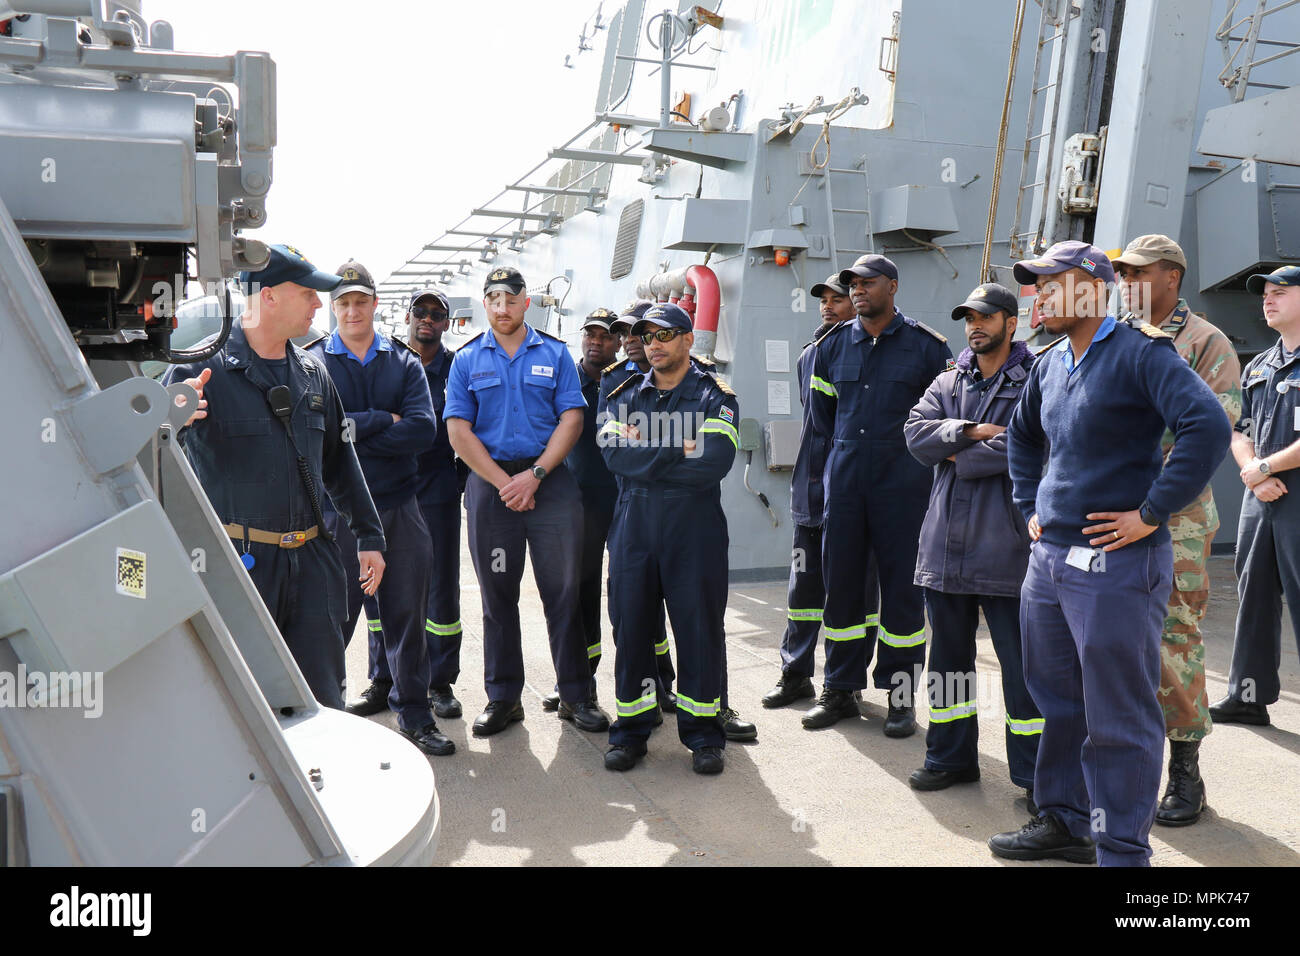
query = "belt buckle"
x=293 y=539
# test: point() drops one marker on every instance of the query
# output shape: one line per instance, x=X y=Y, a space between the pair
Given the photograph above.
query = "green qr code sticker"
x=130 y=572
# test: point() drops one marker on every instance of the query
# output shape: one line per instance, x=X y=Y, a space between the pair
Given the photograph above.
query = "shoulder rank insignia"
x=319 y=338
x=472 y=340
x=925 y=328
x=705 y=363
x=406 y=345
x=818 y=339
x=1152 y=332
x=609 y=368
x=548 y=335
x=723 y=387
x=634 y=377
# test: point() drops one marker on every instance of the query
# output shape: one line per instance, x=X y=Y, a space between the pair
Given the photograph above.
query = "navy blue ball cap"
x=630 y=315
x=504 y=279
x=1070 y=254
x=434 y=294
x=287 y=264
x=987 y=299
x=830 y=284
x=1287 y=275
x=666 y=316
x=868 y=266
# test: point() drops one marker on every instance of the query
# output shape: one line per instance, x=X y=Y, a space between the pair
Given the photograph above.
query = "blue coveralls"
x=1091 y=619
x=599 y=492
x=610 y=379
x=806 y=595
x=438 y=491
x=247 y=465
x=972 y=555
x=1268 y=535
x=668 y=546
x=389 y=379
x=876 y=495
x=514 y=405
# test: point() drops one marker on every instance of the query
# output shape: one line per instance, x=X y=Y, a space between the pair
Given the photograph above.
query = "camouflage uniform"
x=1182 y=655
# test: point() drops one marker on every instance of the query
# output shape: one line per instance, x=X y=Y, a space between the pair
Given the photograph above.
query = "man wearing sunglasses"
x=671 y=437
x=735 y=727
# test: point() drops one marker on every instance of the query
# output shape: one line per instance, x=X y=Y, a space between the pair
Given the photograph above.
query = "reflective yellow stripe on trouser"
x=698 y=708
x=804 y=614
x=593 y=650
x=374 y=625
x=943 y=715
x=661 y=648
x=1025 y=728
x=442 y=630
x=634 y=707
x=856 y=633
x=902 y=640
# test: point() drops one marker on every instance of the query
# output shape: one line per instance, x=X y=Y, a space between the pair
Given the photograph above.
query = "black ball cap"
x=868 y=266
x=504 y=279
x=987 y=299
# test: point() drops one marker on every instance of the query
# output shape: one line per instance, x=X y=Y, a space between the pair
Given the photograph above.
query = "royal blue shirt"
x=513 y=403
x=387 y=380
x=1102 y=423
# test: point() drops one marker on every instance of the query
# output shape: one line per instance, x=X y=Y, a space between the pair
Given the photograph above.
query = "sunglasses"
x=427 y=312
x=663 y=335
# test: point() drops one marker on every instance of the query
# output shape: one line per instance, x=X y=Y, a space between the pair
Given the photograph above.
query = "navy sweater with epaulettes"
x=1099 y=430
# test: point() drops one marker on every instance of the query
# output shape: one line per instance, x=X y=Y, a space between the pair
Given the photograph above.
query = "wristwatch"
x=1148 y=516
x=539 y=472
x=1264 y=469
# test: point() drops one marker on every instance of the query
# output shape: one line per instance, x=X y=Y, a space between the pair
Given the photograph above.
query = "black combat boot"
x=1185 y=797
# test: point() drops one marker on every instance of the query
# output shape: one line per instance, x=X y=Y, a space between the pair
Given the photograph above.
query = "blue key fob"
x=248 y=560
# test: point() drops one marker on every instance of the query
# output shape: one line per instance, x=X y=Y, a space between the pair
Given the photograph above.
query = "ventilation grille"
x=629 y=230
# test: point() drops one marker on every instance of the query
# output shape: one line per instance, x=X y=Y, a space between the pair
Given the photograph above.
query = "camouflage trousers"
x=1182 y=654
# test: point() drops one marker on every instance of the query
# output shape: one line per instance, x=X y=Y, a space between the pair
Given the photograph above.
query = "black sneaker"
x=373 y=700
x=1043 y=838
x=428 y=739
x=444 y=701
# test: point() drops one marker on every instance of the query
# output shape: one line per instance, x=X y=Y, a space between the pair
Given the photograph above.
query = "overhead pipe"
x=696 y=289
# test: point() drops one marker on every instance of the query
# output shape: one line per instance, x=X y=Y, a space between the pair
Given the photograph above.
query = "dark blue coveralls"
x=599 y=492
x=972 y=554
x=389 y=379
x=247 y=465
x=439 y=484
x=668 y=546
x=514 y=405
x=611 y=378
x=1091 y=619
x=806 y=595
x=876 y=495
x=1268 y=535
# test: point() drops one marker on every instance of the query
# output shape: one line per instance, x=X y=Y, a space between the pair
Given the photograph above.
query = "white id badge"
x=1081 y=558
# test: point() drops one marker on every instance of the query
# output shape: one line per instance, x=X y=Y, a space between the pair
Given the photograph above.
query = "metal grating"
x=629 y=230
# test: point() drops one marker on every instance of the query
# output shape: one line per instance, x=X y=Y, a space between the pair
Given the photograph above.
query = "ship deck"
x=538 y=793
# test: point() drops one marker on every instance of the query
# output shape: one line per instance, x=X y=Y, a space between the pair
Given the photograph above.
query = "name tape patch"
x=546 y=370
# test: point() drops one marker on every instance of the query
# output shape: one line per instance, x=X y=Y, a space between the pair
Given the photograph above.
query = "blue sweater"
x=389 y=380
x=1098 y=428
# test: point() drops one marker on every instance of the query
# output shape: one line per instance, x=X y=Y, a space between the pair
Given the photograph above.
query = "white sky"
x=396 y=118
